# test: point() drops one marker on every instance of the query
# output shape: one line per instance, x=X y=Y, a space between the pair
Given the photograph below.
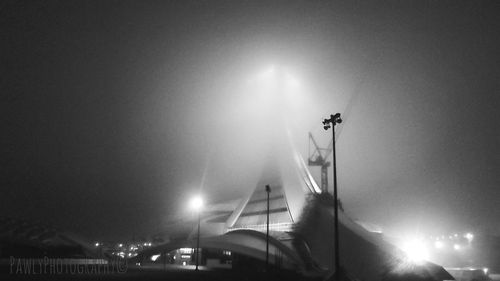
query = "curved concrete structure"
x=298 y=203
x=244 y=242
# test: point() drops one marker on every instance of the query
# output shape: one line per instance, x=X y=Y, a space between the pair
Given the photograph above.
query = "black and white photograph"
x=345 y=140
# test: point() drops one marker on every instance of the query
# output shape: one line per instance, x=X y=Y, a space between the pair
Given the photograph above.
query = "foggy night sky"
x=112 y=112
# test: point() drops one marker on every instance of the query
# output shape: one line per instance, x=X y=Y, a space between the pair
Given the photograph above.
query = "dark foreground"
x=179 y=275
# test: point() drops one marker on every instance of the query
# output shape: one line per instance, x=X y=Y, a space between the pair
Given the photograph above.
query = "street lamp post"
x=268 y=190
x=330 y=123
x=197 y=204
x=198 y=243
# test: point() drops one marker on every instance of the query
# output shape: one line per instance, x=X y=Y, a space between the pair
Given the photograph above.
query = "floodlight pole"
x=330 y=123
x=198 y=242
x=268 y=190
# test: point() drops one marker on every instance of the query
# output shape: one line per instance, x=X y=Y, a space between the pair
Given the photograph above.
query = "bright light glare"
x=439 y=244
x=196 y=203
x=275 y=90
x=485 y=270
x=154 y=257
x=97 y=244
x=416 y=251
x=457 y=247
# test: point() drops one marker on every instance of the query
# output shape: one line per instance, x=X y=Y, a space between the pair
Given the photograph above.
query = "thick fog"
x=116 y=113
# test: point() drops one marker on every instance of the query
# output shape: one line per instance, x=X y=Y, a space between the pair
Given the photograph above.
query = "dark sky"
x=113 y=113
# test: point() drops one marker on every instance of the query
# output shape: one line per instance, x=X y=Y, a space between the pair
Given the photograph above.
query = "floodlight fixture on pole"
x=197 y=204
x=327 y=124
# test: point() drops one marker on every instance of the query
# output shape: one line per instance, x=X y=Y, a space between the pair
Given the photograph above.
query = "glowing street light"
x=196 y=204
x=416 y=251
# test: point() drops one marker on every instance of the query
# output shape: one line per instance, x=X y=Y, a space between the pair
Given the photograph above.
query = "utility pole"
x=268 y=190
x=198 y=243
x=197 y=204
x=327 y=124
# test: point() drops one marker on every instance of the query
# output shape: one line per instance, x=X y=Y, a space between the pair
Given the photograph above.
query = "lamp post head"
x=196 y=203
x=334 y=119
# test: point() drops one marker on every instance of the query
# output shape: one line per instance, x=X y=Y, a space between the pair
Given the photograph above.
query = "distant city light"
x=154 y=257
x=469 y=236
x=97 y=244
x=457 y=247
x=439 y=244
x=120 y=245
x=485 y=270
